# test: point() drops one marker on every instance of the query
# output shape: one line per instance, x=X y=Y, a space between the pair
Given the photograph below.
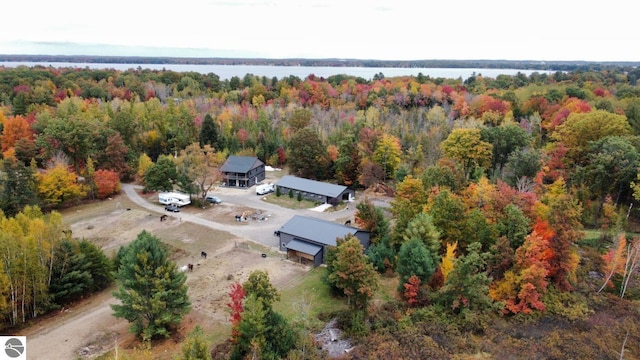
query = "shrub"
x=569 y=305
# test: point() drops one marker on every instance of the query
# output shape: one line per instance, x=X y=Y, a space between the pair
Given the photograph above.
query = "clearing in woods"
x=87 y=328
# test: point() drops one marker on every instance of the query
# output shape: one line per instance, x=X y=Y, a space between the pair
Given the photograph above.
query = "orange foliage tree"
x=15 y=128
x=564 y=219
x=522 y=287
x=614 y=260
x=107 y=183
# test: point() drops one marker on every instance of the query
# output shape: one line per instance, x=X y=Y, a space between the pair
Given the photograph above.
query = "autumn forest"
x=513 y=229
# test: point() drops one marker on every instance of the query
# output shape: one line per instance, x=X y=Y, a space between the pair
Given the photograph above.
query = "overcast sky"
x=371 y=29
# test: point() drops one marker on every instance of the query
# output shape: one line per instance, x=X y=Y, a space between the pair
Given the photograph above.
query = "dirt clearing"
x=88 y=329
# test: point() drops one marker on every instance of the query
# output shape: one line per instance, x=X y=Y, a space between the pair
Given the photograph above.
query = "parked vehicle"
x=265 y=188
x=213 y=199
x=172 y=207
x=172 y=197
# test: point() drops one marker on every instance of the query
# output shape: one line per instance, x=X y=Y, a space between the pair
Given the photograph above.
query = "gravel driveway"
x=257 y=231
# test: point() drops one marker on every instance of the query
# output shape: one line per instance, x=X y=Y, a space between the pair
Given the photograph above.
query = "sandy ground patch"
x=87 y=328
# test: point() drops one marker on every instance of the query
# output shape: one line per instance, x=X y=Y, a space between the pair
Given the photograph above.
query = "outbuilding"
x=314 y=190
x=307 y=238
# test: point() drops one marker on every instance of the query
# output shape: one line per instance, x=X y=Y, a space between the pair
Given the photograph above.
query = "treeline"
x=342 y=128
x=433 y=63
x=44 y=268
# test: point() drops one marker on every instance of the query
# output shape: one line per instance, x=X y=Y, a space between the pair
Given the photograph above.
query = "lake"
x=226 y=72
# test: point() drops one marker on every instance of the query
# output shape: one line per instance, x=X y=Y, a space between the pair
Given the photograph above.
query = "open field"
x=87 y=329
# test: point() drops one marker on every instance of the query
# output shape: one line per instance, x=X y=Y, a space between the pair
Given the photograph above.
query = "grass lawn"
x=290 y=203
x=593 y=238
x=387 y=289
x=309 y=296
x=293 y=203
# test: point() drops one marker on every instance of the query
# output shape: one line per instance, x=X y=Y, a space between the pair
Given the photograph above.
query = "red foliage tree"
x=237 y=295
x=242 y=136
x=116 y=156
x=282 y=155
x=412 y=290
x=107 y=183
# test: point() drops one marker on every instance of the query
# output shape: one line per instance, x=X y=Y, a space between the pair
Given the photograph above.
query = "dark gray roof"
x=240 y=164
x=304 y=247
x=311 y=186
x=317 y=230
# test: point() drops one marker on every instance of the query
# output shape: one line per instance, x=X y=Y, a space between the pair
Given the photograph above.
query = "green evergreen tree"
x=70 y=276
x=382 y=255
x=253 y=329
x=18 y=185
x=414 y=258
x=151 y=289
x=421 y=228
x=263 y=332
x=467 y=285
x=307 y=154
x=99 y=266
x=209 y=133
x=259 y=284
x=514 y=225
x=195 y=346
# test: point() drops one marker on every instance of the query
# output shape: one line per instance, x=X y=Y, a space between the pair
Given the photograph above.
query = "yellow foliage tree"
x=144 y=163
x=448 y=260
x=387 y=154
x=58 y=186
x=467 y=147
x=202 y=166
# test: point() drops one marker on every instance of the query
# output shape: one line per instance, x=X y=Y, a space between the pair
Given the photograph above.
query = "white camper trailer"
x=265 y=189
x=175 y=198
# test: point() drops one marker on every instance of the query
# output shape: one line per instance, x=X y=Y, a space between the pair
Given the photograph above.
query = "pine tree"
x=151 y=289
x=415 y=259
x=195 y=346
x=18 y=187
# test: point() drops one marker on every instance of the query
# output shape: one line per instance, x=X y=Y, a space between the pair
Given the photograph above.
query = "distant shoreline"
x=482 y=64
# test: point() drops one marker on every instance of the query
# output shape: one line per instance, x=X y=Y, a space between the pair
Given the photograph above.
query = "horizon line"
x=248 y=58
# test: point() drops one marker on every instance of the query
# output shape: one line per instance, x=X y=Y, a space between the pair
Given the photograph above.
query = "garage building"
x=314 y=190
x=307 y=239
